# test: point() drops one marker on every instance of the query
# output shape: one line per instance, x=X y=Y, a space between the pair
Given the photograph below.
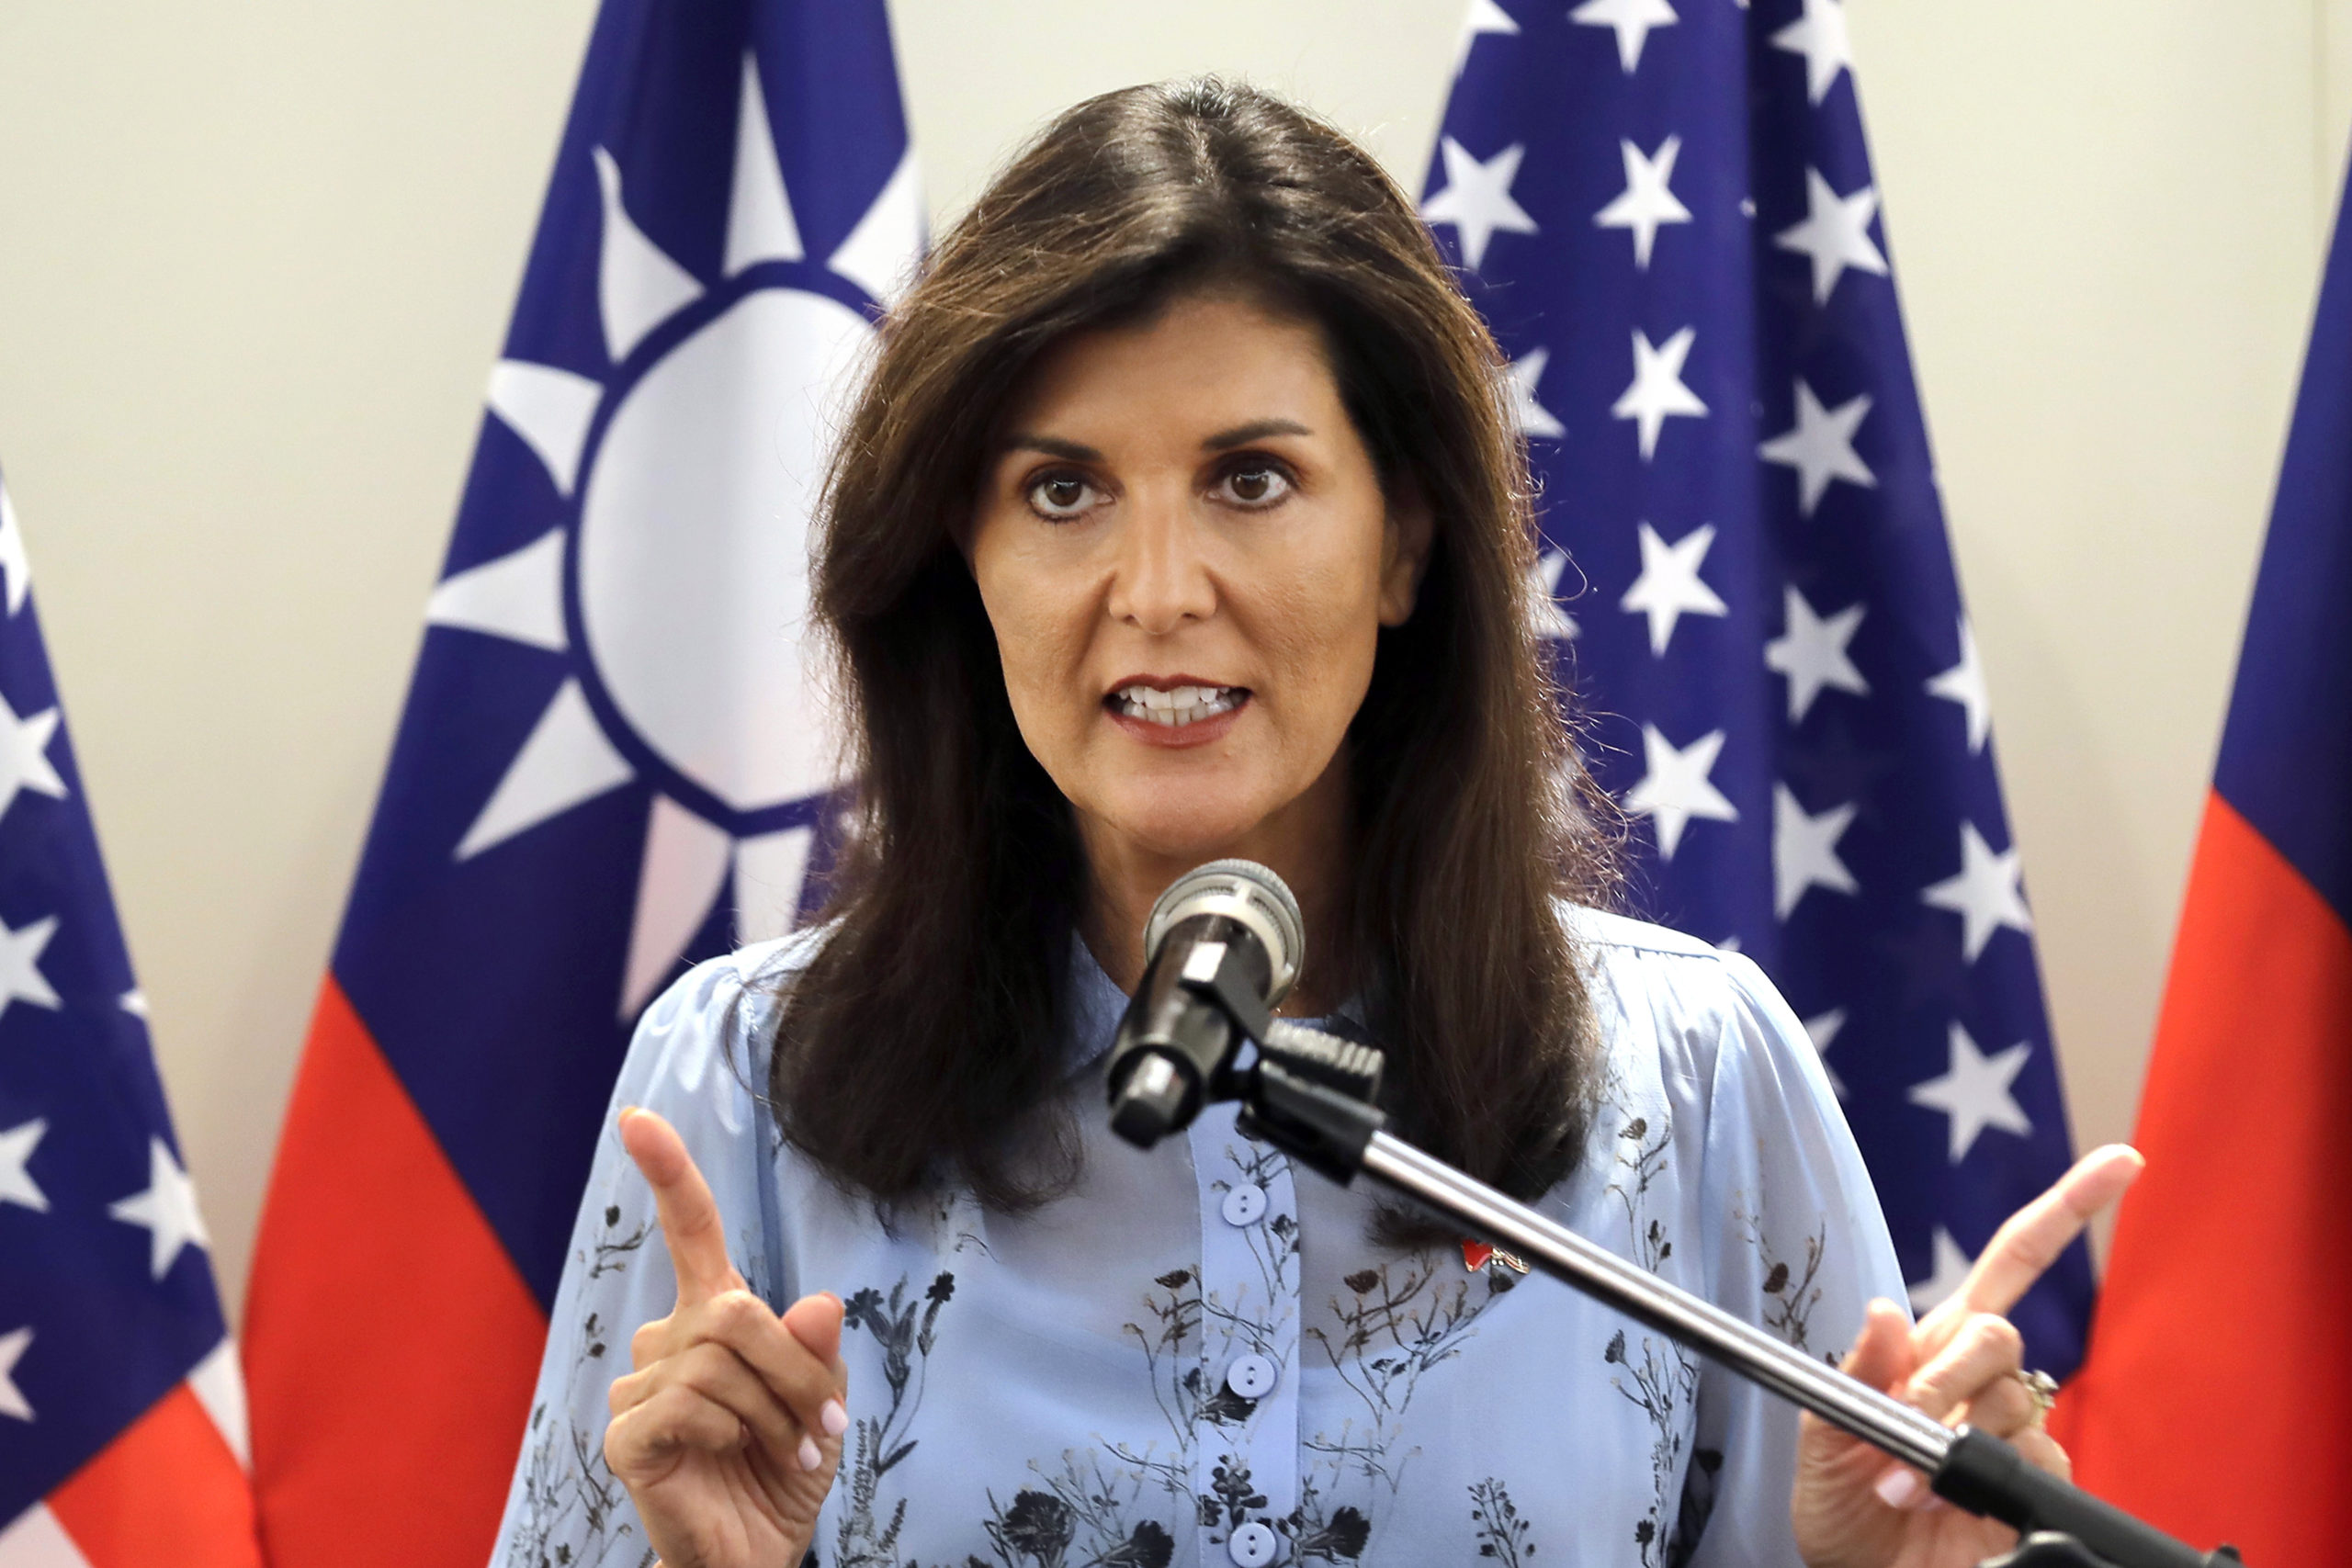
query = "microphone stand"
x=1310 y=1095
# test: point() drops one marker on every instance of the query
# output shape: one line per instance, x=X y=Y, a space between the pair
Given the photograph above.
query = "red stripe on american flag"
x=166 y=1490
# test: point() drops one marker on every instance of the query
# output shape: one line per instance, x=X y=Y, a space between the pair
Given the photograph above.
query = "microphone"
x=1229 y=933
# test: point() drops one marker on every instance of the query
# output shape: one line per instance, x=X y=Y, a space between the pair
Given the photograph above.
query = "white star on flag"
x=168 y=1209
x=24 y=755
x=1657 y=392
x=1632 y=18
x=1812 y=653
x=1964 y=683
x=1986 y=894
x=1820 y=448
x=1820 y=36
x=1534 y=418
x=1974 y=1094
x=1646 y=202
x=1674 y=787
x=20 y=975
x=13 y=565
x=1476 y=199
x=1670 y=585
x=1835 y=233
x=17 y=1184
x=12 y=1350
x=1551 y=623
x=1804 y=850
x=1485 y=17
x=1822 y=1030
x=1949 y=1273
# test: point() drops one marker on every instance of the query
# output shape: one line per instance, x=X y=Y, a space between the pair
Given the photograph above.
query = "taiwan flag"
x=614 y=759
x=122 y=1417
x=2212 y=1405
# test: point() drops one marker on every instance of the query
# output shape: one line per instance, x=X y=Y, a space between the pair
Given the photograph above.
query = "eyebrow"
x=1256 y=430
x=1052 y=447
x=1224 y=440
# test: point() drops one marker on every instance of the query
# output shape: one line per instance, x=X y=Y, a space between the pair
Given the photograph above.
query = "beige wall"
x=255 y=260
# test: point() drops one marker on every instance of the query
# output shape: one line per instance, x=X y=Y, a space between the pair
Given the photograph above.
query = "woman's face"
x=1185 y=551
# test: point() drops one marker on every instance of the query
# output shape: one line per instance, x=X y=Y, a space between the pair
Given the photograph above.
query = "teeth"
x=1183 y=705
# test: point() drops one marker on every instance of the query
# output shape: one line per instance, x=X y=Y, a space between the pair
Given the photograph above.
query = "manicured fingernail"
x=1896 y=1488
x=835 y=1417
x=810 y=1455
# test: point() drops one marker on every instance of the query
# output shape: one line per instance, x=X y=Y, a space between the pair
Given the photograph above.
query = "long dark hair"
x=927 y=1023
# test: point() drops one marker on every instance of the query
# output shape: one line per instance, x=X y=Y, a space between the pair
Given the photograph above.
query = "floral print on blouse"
x=1200 y=1356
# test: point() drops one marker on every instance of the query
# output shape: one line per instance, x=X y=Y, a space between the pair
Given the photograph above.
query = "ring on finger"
x=2042 y=1388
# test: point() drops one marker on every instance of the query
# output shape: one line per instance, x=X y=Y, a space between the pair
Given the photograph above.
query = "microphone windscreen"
x=1242 y=890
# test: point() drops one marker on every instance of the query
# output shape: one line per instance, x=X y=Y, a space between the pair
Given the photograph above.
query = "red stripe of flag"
x=2212 y=1401
x=166 y=1490
x=391 y=1346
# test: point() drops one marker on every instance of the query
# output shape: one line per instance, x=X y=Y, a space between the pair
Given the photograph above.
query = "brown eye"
x=1061 y=498
x=1256 y=485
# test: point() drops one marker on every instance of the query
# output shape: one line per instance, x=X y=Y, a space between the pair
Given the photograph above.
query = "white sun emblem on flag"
x=677 y=586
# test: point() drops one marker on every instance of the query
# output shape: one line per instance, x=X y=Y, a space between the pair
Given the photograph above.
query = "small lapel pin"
x=1476 y=1255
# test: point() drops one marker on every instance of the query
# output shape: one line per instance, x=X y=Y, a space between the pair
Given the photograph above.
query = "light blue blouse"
x=1199 y=1356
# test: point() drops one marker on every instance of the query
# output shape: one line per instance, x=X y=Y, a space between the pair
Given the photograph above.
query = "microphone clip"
x=1308 y=1093
x=1216 y=972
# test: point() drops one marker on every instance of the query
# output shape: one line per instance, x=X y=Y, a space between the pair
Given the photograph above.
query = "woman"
x=1181 y=518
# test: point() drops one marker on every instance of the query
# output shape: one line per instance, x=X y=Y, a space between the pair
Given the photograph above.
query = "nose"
x=1161 y=580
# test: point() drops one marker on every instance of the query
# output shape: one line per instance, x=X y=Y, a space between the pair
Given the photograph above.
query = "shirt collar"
x=1093 y=1003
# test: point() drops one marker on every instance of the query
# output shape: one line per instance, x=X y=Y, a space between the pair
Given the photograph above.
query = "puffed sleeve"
x=693 y=1059
x=1795 y=1241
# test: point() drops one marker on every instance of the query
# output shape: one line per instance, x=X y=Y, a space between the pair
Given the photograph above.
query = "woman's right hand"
x=728 y=1431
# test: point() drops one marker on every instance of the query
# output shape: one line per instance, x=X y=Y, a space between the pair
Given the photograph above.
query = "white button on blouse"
x=1253 y=1545
x=1245 y=1204
x=1251 y=1377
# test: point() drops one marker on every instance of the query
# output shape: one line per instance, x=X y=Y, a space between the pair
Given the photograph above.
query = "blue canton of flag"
x=116 y=1367
x=1666 y=212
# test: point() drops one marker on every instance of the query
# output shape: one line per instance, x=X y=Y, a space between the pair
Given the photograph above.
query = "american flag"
x=1665 y=211
x=122 y=1427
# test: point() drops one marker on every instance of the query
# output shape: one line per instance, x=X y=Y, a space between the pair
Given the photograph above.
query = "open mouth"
x=1177 y=706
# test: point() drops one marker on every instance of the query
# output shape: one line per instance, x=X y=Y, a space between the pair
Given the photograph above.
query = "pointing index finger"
x=2030 y=1241
x=689 y=1215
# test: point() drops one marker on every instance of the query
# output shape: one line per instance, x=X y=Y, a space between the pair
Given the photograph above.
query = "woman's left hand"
x=1853 y=1507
